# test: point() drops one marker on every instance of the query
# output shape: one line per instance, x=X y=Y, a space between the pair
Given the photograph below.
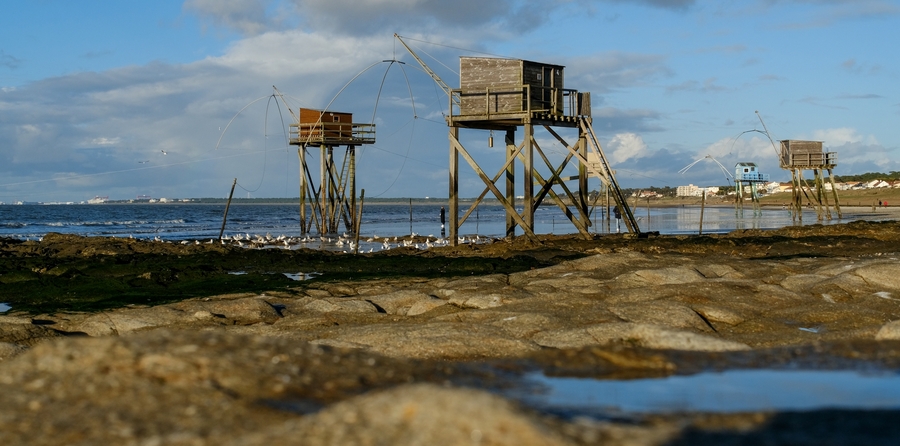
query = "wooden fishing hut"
x=330 y=195
x=503 y=95
x=797 y=156
x=747 y=179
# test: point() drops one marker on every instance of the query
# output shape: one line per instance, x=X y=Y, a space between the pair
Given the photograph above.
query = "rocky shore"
x=410 y=347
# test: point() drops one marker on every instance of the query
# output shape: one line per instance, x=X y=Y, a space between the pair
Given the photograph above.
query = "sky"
x=178 y=99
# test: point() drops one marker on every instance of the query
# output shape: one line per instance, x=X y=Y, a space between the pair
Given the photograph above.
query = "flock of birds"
x=344 y=242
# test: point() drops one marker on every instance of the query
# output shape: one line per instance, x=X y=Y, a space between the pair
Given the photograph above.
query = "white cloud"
x=375 y=16
x=677 y=5
x=136 y=112
x=841 y=136
x=103 y=141
x=297 y=53
x=245 y=16
x=613 y=70
x=745 y=148
x=625 y=146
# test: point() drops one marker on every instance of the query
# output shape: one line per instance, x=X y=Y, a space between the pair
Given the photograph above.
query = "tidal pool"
x=292 y=276
x=715 y=392
x=301 y=276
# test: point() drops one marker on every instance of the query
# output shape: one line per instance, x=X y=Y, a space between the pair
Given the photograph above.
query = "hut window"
x=539 y=76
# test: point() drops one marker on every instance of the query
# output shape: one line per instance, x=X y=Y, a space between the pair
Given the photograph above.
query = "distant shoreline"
x=851 y=201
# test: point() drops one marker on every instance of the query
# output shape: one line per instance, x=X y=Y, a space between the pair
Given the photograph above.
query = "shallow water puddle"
x=292 y=276
x=4 y=308
x=720 y=392
x=301 y=276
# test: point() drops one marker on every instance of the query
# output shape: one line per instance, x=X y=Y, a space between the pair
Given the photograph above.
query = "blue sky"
x=122 y=99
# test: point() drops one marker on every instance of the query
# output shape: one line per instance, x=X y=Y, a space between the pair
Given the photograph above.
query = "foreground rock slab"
x=706 y=303
x=414 y=360
x=220 y=388
x=165 y=387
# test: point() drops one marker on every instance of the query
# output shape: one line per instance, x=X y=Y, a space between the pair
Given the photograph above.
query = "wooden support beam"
x=808 y=192
x=312 y=196
x=484 y=192
x=547 y=188
x=528 y=205
x=301 y=154
x=555 y=178
x=510 y=185
x=510 y=209
x=837 y=204
x=323 y=188
x=351 y=154
x=795 y=195
x=820 y=193
x=582 y=202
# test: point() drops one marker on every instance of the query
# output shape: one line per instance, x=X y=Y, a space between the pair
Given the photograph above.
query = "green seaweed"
x=48 y=284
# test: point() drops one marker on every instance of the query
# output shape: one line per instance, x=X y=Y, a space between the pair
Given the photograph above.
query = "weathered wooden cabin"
x=494 y=85
x=317 y=127
x=798 y=154
x=334 y=198
x=495 y=92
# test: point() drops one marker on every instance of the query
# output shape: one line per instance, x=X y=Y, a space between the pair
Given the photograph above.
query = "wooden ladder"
x=609 y=177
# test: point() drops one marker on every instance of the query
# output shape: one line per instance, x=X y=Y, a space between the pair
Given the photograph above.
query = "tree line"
x=866 y=177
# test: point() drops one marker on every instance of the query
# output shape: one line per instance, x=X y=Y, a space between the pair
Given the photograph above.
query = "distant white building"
x=686 y=191
x=695 y=191
x=646 y=194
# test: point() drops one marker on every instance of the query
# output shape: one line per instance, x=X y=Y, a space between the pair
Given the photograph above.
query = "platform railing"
x=337 y=132
x=495 y=101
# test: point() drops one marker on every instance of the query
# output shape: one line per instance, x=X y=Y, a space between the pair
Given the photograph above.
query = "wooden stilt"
x=227 y=205
x=301 y=154
x=454 y=187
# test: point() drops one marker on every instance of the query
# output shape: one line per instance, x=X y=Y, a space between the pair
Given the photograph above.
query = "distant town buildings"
x=646 y=194
x=776 y=187
x=694 y=191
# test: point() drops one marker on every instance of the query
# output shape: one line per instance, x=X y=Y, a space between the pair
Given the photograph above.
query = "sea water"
x=204 y=221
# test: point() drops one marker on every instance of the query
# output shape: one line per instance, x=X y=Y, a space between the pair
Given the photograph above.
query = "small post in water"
x=648 y=214
x=227 y=205
x=702 y=205
x=362 y=197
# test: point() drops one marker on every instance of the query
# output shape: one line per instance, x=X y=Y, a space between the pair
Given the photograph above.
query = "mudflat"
x=125 y=341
